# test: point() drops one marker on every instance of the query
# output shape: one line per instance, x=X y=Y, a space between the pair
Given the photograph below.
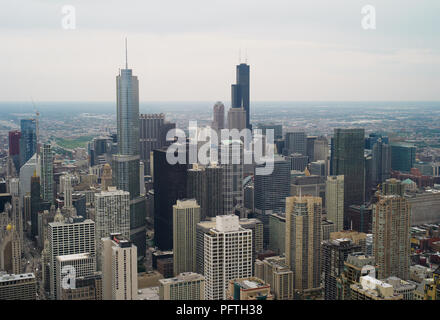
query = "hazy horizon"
x=187 y=51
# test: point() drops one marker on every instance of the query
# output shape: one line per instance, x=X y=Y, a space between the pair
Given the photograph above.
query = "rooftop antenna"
x=245 y=56
x=239 y=56
x=126 y=55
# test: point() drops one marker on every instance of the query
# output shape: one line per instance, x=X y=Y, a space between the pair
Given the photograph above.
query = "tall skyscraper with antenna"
x=240 y=91
x=126 y=163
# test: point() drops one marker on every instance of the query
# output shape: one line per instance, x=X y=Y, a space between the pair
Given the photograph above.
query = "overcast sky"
x=187 y=49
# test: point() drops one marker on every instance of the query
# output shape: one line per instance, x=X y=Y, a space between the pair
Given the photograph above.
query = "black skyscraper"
x=240 y=91
x=35 y=204
x=170 y=184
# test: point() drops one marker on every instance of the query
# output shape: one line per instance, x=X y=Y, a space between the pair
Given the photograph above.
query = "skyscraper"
x=334 y=200
x=296 y=142
x=153 y=129
x=237 y=118
x=119 y=271
x=348 y=159
x=240 y=95
x=47 y=190
x=35 y=204
x=170 y=185
x=125 y=167
x=14 y=148
x=112 y=215
x=381 y=168
x=335 y=253
x=391 y=234
x=68 y=189
x=219 y=116
x=73 y=236
x=186 y=215
x=303 y=242
x=28 y=139
x=227 y=256
x=270 y=191
x=403 y=156
x=232 y=160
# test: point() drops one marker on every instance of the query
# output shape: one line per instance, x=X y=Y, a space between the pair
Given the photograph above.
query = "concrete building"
x=86 y=288
x=358 y=238
x=405 y=288
x=18 y=286
x=249 y=289
x=334 y=200
x=84 y=264
x=186 y=215
x=391 y=236
x=303 y=242
x=237 y=119
x=112 y=215
x=275 y=272
x=218 y=122
x=185 y=286
x=357 y=265
x=74 y=236
x=370 y=288
x=334 y=254
x=227 y=255
x=119 y=268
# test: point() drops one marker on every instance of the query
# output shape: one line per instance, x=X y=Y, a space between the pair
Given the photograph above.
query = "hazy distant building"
x=28 y=139
x=295 y=142
x=320 y=149
x=381 y=168
x=240 y=92
x=348 y=159
x=219 y=116
x=403 y=156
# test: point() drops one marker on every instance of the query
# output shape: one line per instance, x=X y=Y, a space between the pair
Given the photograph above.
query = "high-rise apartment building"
x=303 y=242
x=119 y=268
x=47 y=187
x=185 y=286
x=347 y=159
x=83 y=264
x=334 y=254
x=391 y=235
x=276 y=273
x=334 y=200
x=18 y=286
x=227 y=255
x=74 y=236
x=186 y=215
x=112 y=215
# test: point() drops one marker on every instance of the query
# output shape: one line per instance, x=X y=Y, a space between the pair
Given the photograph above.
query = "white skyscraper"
x=112 y=215
x=119 y=268
x=75 y=235
x=227 y=255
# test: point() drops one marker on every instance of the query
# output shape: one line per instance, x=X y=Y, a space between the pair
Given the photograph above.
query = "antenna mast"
x=126 y=54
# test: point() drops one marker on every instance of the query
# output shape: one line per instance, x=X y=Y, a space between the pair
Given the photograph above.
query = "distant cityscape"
x=92 y=209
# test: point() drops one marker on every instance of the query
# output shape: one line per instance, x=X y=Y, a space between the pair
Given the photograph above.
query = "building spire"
x=126 y=54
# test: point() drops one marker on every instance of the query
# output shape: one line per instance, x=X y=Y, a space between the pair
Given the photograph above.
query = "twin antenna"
x=126 y=55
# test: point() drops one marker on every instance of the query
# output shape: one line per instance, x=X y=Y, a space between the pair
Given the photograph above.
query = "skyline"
x=188 y=52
